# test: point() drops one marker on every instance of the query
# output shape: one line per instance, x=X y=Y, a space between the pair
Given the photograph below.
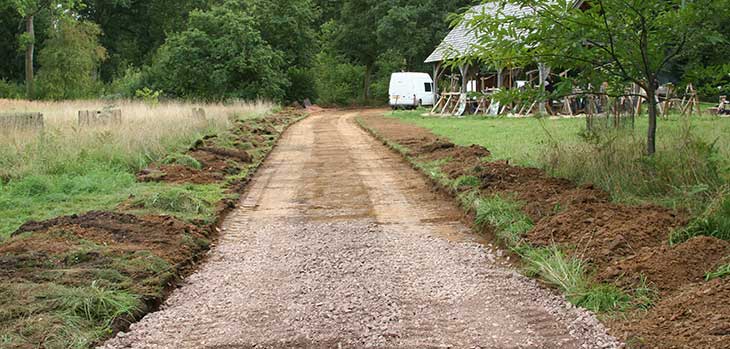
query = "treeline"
x=334 y=52
x=331 y=51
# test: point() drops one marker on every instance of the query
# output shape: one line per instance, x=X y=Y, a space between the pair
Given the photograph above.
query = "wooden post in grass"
x=21 y=121
x=90 y=118
x=198 y=114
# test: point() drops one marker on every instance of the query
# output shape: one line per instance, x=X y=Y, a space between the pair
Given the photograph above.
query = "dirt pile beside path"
x=669 y=268
x=164 y=236
x=224 y=155
x=605 y=232
x=697 y=316
x=97 y=240
x=622 y=244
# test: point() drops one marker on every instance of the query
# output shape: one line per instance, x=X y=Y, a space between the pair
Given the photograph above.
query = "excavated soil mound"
x=696 y=317
x=162 y=235
x=602 y=233
x=463 y=160
x=179 y=174
x=669 y=268
x=218 y=162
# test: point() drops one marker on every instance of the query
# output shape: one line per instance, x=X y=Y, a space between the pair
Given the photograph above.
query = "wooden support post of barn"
x=463 y=99
x=544 y=72
x=436 y=77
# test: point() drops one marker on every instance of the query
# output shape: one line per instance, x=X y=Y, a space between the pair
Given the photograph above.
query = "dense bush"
x=220 y=55
x=69 y=61
x=10 y=90
x=337 y=81
x=710 y=81
x=126 y=85
x=387 y=63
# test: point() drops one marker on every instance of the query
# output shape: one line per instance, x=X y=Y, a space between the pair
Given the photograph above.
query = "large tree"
x=28 y=10
x=220 y=55
x=624 y=41
x=134 y=30
x=69 y=60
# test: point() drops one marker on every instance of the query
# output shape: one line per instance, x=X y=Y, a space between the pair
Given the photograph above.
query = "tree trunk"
x=651 y=135
x=366 y=88
x=29 y=52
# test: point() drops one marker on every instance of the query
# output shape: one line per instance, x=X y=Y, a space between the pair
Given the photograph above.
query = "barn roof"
x=460 y=41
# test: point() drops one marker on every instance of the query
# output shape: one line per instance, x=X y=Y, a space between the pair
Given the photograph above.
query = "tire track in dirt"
x=339 y=243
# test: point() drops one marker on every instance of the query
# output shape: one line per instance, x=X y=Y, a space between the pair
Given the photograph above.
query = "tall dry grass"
x=146 y=133
x=687 y=171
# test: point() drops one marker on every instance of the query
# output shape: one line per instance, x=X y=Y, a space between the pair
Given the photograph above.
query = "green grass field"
x=524 y=141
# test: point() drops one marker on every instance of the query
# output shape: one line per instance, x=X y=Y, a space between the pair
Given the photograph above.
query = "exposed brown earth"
x=670 y=268
x=247 y=136
x=602 y=232
x=696 y=316
x=339 y=243
x=622 y=244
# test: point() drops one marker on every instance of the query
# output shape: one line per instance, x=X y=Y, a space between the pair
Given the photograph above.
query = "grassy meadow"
x=66 y=169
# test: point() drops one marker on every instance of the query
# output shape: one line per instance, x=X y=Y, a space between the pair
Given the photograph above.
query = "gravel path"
x=340 y=244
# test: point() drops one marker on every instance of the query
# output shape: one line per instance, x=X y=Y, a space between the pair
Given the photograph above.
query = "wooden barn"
x=466 y=88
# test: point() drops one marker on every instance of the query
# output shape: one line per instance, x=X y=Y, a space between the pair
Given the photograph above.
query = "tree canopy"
x=295 y=49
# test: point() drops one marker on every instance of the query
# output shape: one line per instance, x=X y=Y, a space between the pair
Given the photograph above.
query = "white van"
x=410 y=90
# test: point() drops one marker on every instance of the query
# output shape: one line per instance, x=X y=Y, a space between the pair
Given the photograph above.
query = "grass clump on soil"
x=721 y=272
x=182 y=160
x=188 y=202
x=714 y=222
x=433 y=170
x=568 y=274
x=94 y=303
x=506 y=216
x=466 y=182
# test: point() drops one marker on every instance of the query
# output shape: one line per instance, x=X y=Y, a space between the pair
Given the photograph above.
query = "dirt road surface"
x=340 y=244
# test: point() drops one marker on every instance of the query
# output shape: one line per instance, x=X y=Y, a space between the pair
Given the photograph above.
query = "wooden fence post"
x=105 y=117
x=21 y=120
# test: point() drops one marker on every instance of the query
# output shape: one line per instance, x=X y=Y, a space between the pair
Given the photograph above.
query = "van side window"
x=429 y=88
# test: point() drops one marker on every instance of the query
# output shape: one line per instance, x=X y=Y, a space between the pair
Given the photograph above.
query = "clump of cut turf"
x=468 y=199
x=568 y=274
x=506 y=216
x=175 y=199
x=466 y=182
x=602 y=298
x=182 y=160
x=714 y=222
x=94 y=303
x=433 y=170
x=721 y=272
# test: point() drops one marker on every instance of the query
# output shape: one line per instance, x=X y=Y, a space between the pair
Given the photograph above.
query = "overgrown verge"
x=72 y=281
x=611 y=258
